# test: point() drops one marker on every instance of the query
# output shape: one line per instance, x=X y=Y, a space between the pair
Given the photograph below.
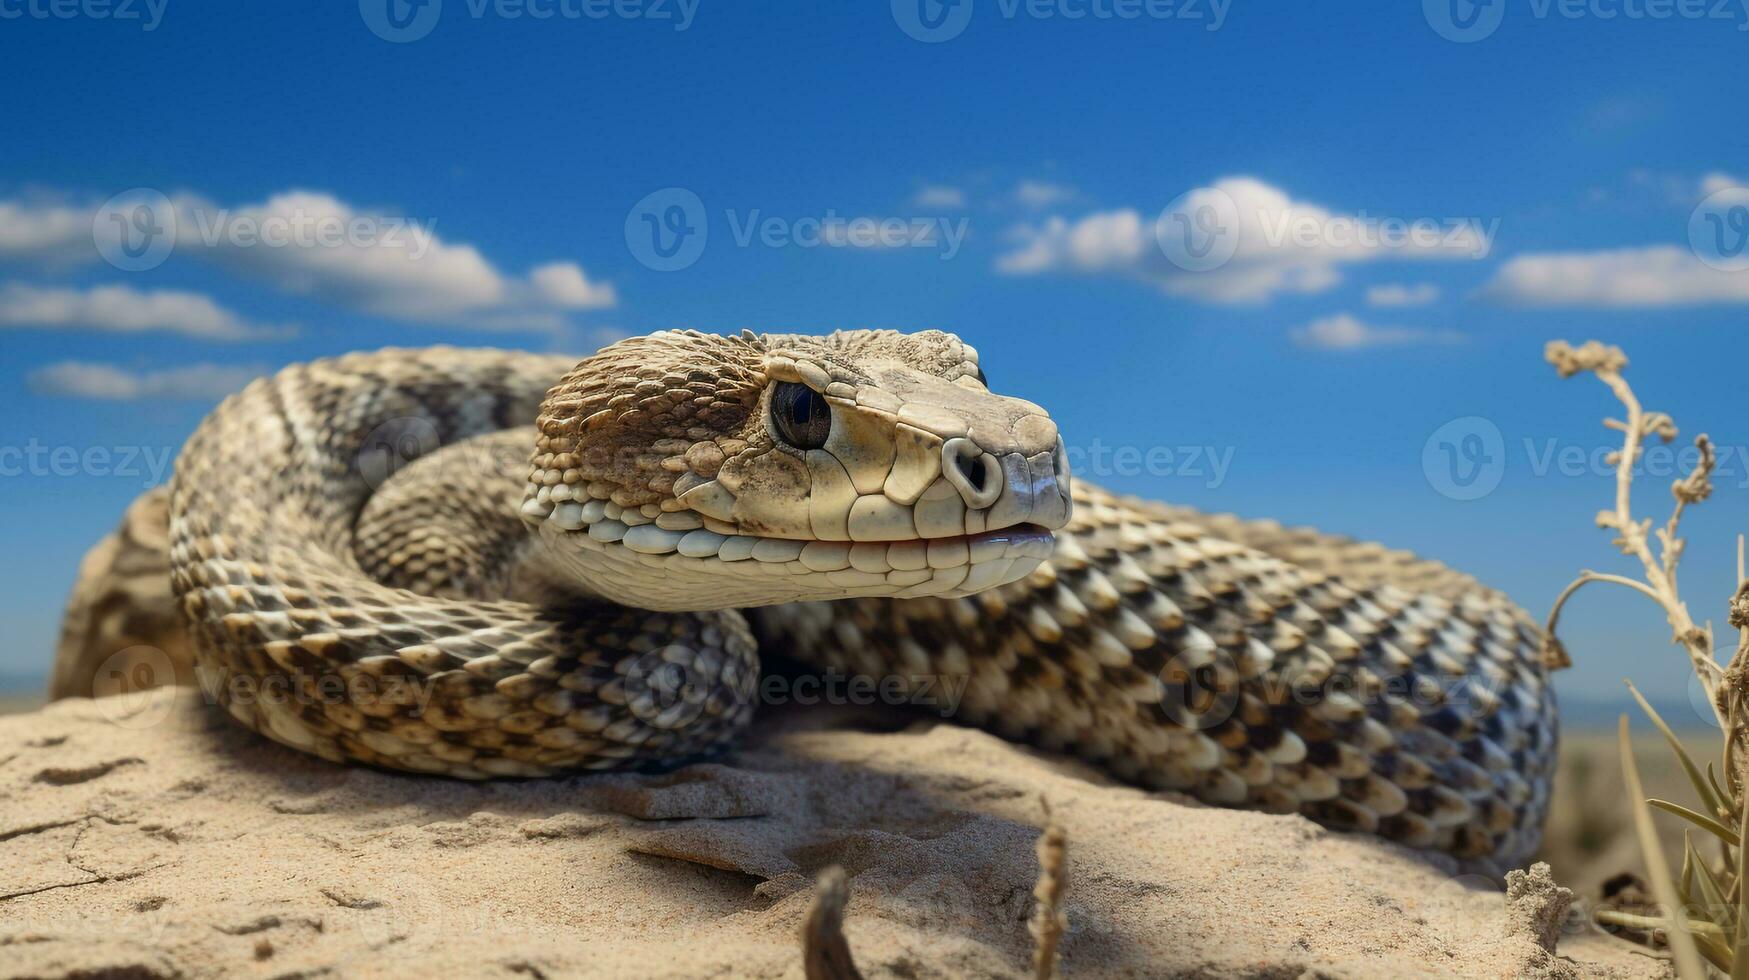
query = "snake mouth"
x=908 y=568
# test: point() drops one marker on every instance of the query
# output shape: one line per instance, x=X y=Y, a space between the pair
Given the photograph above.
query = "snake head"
x=683 y=470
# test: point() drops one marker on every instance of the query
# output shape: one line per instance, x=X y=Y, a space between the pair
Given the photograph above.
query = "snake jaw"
x=925 y=484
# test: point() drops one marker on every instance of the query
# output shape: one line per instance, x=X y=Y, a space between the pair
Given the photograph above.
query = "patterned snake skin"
x=382 y=562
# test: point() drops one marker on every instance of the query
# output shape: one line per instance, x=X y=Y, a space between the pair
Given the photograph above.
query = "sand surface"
x=151 y=837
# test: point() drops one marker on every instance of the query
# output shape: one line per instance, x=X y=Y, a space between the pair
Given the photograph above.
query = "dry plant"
x=1704 y=910
x=1048 y=920
x=826 y=953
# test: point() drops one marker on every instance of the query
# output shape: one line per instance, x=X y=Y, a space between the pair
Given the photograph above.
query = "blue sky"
x=1558 y=154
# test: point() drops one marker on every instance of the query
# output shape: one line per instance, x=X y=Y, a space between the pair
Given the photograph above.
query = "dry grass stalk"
x=1634 y=537
x=1048 y=920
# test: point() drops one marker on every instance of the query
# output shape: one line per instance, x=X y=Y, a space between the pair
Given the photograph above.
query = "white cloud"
x=1714 y=182
x=45 y=232
x=563 y=284
x=938 y=196
x=1345 y=332
x=123 y=309
x=1676 y=189
x=107 y=382
x=1040 y=194
x=1402 y=294
x=314 y=244
x=1650 y=276
x=1109 y=241
x=1278 y=245
x=383 y=264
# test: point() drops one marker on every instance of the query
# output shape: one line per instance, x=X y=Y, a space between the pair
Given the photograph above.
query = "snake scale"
x=381 y=560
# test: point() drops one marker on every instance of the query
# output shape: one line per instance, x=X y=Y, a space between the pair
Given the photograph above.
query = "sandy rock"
x=149 y=836
x=121 y=632
x=1536 y=906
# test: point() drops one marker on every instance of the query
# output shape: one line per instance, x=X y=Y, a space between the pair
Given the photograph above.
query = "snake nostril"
x=973 y=469
x=973 y=472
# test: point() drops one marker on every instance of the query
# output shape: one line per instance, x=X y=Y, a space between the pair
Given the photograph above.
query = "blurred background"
x=1296 y=261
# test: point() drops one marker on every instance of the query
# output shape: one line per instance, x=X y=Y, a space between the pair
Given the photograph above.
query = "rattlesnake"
x=382 y=561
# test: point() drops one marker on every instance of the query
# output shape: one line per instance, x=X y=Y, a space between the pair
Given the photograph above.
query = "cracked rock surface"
x=150 y=837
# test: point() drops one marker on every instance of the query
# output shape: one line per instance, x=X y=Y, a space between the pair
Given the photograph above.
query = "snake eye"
x=800 y=415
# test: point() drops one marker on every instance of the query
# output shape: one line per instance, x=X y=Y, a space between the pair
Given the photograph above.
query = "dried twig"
x=825 y=953
x=1634 y=537
x=1048 y=920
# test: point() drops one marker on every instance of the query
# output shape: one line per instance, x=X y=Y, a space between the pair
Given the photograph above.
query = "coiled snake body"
x=517 y=600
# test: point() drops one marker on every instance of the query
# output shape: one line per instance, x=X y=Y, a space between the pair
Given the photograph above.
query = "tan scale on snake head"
x=521 y=599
